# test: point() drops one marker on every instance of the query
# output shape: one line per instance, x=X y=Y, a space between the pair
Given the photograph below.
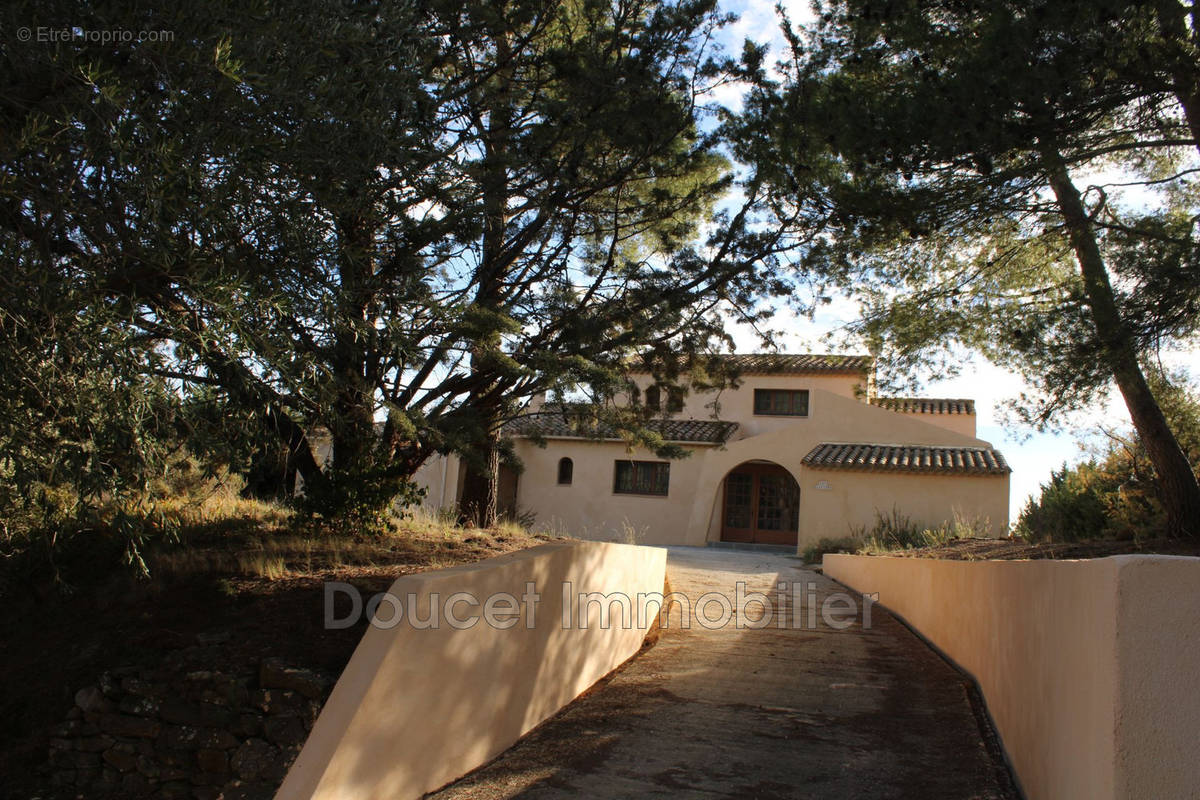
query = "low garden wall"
x=421 y=704
x=1088 y=667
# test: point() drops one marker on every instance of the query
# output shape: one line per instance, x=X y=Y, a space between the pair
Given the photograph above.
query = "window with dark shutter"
x=566 y=471
x=642 y=477
x=781 y=402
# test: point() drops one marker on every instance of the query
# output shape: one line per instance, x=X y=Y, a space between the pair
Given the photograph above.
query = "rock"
x=174 y=790
x=74 y=727
x=91 y=698
x=284 y=730
x=254 y=759
x=215 y=716
x=279 y=701
x=139 y=706
x=216 y=637
x=274 y=674
x=186 y=737
x=148 y=766
x=143 y=688
x=180 y=737
x=74 y=759
x=86 y=777
x=62 y=778
x=135 y=785
x=180 y=712
x=213 y=761
x=226 y=693
x=248 y=726
x=217 y=739
x=94 y=744
x=122 y=757
x=124 y=725
x=248 y=791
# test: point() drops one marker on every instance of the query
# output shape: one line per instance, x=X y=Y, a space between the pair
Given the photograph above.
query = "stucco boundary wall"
x=1088 y=668
x=417 y=708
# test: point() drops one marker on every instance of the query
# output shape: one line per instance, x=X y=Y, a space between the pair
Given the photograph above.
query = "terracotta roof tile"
x=908 y=458
x=556 y=424
x=926 y=405
x=794 y=363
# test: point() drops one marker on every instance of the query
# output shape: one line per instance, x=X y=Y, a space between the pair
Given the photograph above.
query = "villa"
x=802 y=449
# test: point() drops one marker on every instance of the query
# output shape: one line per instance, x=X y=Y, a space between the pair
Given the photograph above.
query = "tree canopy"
x=397 y=222
x=949 y=141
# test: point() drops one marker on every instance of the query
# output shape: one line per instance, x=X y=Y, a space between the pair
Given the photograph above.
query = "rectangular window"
x=641 y=477
x=675 y=399
x=781 y=402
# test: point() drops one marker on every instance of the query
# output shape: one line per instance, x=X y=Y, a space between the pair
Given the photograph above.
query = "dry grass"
x=221 y=533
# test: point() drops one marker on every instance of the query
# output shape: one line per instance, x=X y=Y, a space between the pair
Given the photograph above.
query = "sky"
x=1031 y=454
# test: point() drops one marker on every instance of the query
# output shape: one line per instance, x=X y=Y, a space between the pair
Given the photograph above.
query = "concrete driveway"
x=799 y=711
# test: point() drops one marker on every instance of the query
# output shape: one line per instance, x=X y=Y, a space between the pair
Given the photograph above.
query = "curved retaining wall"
x=1088 y=668
x=416 y=708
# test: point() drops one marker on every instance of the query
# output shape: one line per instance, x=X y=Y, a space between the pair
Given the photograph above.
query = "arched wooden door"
x=761 y=506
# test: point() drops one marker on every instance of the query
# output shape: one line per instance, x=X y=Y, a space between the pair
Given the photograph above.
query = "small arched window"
x=566 y=471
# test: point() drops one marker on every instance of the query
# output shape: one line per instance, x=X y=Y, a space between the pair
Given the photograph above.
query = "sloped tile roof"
x=794 y=363
x=908 y=458
x=926 y=405
x=556 y=424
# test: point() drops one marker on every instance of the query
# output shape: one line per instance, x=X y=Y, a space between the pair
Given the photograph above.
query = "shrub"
x=892 y=531
x=816 y=551
x=1071 y=507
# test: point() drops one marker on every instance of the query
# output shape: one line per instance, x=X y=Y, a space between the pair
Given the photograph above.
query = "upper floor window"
x=781 y=402
x=642 y=477
x=675 y=396
x=566 y=471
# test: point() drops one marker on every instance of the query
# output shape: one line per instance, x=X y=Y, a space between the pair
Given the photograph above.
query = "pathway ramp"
x=806 y=710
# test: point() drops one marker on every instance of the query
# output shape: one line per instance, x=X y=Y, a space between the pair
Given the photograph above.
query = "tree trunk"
x=353 y=423
x=1177 y=483
x=481 y=487
x=481 y=484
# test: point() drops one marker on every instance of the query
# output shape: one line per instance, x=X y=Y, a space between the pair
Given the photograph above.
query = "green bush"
x=892 y=531
x=1114 y=495
x=1071 y=507
x=816 y=551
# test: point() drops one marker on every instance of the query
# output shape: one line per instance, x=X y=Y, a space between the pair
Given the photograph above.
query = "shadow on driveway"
x=808 y=712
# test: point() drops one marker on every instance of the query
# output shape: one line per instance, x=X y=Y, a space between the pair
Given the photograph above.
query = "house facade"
x=802 y=449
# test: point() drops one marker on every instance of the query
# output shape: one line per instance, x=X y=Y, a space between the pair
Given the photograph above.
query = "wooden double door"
x=761 y=506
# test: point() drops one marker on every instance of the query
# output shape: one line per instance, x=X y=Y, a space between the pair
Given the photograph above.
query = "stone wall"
x=174 y=733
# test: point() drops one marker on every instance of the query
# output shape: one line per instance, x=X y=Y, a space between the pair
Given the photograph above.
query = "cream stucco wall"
x=690 y=514
x=839 y=501
x=417 y=708
x=589 y=508
x=439 y=476
x=854 y=497
x=959 y=423
x=737 y=405
x=1087 y=667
